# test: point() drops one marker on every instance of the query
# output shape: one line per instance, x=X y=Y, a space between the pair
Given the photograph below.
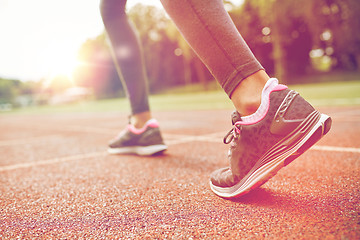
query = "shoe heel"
x=327 y=125
x=322 y=129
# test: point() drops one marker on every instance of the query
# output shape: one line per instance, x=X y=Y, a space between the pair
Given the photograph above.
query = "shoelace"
x=233 y=133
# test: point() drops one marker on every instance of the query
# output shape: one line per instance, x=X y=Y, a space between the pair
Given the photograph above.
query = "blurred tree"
x=16 y=92
x=97 y=70
x=163 y=66
x=340 y=32
x=169 y=59
x=8 y=90
x=281 y=33
x=248 y=21
x=183 y=50
x=31 y=87
x=291 y=29
x=150 y=23
x=194 y=69
x=283 y=19
x=332 y=27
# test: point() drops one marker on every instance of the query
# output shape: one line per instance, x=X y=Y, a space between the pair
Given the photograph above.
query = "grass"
x=319 y=94
x=329 y=94
x=161 y=102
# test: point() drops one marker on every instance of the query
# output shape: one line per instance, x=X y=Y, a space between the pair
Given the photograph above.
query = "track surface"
x=57 y=181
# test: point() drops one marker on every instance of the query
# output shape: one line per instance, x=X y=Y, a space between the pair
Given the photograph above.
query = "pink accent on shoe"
x=151 y=123
x=277 y=88
x=237 y=129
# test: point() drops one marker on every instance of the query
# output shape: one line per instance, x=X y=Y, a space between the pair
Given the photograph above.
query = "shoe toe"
x=222 y=178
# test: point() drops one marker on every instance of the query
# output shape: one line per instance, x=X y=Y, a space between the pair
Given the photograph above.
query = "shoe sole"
x=139 y=150
x=280 y=156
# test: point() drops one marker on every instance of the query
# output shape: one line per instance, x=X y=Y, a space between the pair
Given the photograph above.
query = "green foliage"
x=169 y=59
x=297 y=27
x=281 y=33
x=11 y=90
x=334 y=93
x=8 y=90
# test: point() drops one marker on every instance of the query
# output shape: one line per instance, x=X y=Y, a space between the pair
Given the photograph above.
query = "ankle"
x=247 y=95
x=139 y=120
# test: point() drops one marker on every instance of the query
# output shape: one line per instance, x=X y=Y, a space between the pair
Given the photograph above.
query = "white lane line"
x=316 y=147
x=82 y=129
x=219 y=140
x=346 y=113
x=172 y=137
x=336 y=149
x=5 y=143
x=87 y=129
x=344 y=119
x=177 y=139
x=52 y=161
x=193 y=139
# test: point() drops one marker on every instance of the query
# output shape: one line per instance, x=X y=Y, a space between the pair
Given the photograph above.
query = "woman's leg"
x=283 y=126
x=211 y=33
x=128 y=58
x=143 y=135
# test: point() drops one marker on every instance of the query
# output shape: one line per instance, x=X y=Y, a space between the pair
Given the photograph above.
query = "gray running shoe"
x=283 y=128
x=144 y=141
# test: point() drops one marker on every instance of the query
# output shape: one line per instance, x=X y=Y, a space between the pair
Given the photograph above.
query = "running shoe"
x=284 y=126
x=144 y=141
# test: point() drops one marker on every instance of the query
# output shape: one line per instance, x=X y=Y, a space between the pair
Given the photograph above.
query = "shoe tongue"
x=235 y=117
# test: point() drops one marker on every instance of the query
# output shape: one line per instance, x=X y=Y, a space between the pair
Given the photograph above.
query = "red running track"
x=56 y=181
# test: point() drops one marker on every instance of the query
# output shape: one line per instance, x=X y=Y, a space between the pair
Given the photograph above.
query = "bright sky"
x=40 y=38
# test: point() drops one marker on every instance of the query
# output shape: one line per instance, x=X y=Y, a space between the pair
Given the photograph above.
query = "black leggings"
x=205 y=25
x=127 y=53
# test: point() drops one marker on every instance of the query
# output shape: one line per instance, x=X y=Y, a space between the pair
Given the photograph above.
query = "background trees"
x=290 y=38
